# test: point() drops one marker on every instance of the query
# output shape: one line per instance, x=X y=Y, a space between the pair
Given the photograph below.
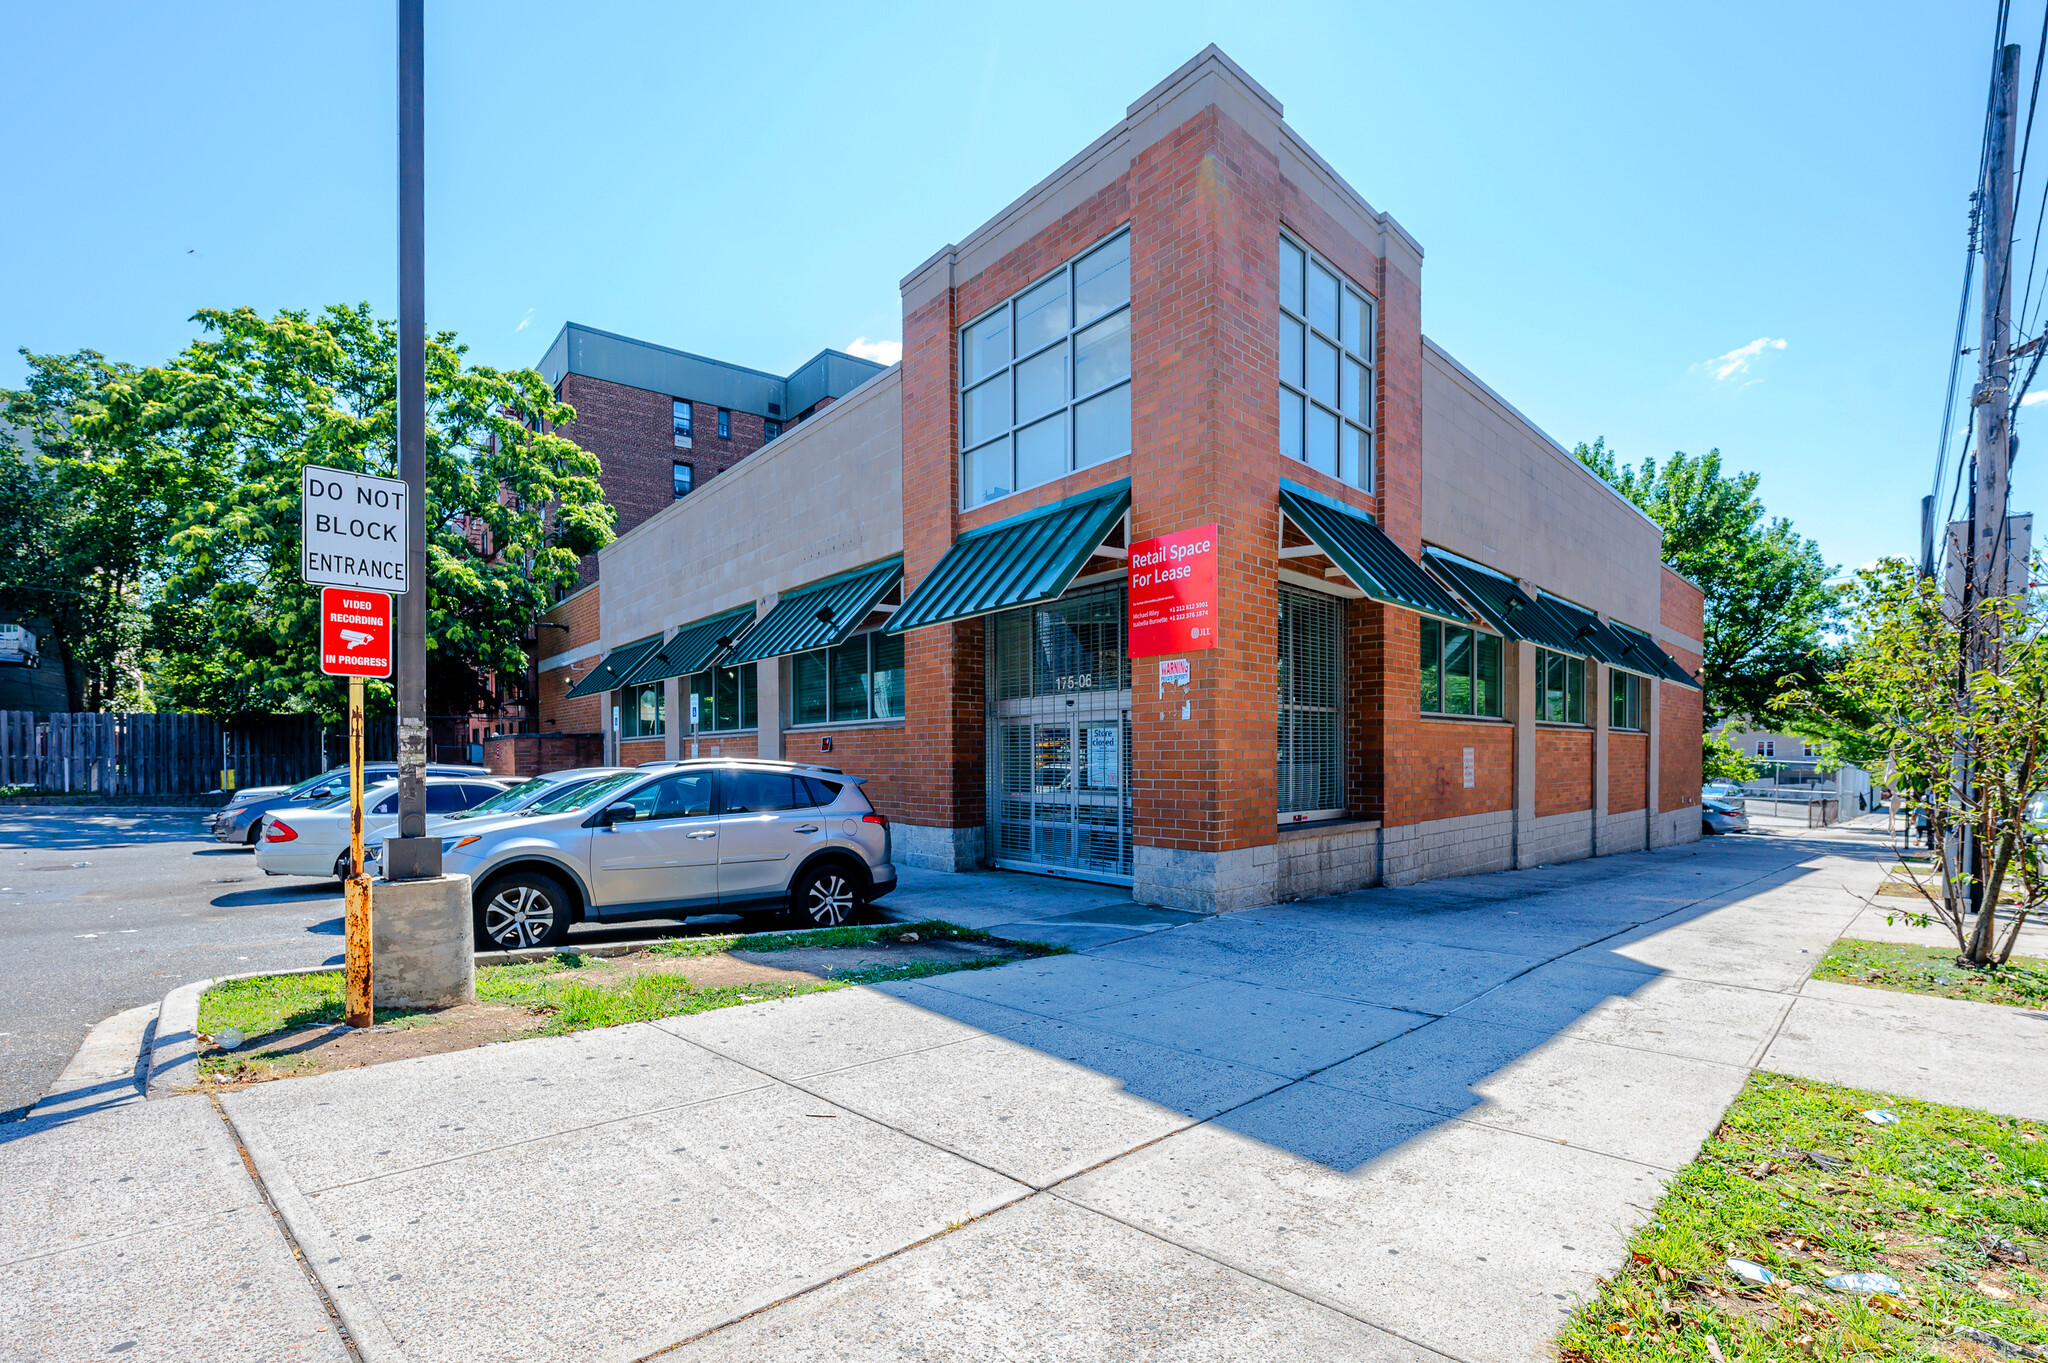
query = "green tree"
x=1901 y=665
x=511 y=507
x=1768 y=601
x=1723 y=761
x=87 y=519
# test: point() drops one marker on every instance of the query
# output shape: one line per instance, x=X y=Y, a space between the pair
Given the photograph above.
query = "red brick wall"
x=1679 y=716
x=722 y=745
x=634 y=751
x=533 y=754
x=558 y=714
x=1628 y=772
x=1428 y=769
x=877 y=753
x=632 y=433
x=1564 y=771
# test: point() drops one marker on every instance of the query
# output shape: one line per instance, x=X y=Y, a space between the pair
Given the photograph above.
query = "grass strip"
x=2022 y=982
x=1949 y=1202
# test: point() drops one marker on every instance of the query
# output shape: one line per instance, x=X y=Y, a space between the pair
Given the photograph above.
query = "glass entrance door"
x=1060 y=737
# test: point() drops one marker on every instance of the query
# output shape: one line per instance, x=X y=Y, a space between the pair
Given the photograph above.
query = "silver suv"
x=719 y=836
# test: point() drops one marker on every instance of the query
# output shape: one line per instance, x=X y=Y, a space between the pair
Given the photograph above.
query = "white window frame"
x=681 y=421
x=1296 y=393
x=1068 y=411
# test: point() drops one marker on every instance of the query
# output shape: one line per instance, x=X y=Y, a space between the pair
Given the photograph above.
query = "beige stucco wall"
x=825 y=497
x=1498 y=491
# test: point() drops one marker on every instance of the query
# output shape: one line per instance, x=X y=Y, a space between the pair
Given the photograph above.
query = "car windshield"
x=312 y=783
x=372 y=792
x=583 y=797
x=505 y=801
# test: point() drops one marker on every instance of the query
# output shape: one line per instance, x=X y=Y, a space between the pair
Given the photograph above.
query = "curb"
x=107 y=1070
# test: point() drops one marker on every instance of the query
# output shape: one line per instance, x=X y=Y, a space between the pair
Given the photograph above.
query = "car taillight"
x=279 y=831
x=882 y=819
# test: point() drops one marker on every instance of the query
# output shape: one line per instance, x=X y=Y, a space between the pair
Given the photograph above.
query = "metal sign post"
x=355 y=642
x=693 y=724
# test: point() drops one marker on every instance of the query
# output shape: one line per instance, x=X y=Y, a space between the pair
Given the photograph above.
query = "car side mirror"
x=619 y=813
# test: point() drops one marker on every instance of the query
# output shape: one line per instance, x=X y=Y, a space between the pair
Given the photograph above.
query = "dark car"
x=237 y=821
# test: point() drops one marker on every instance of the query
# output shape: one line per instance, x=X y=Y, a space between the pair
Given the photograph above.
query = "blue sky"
x=1678 y=227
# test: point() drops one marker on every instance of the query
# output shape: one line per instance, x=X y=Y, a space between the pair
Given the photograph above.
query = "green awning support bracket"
x=1374 y=563
x=1651 y=658
x=1596 y=639
x=694 y=647
x=1017 y=562
x=818 y=614
x=610 y=673
x=1501 y=602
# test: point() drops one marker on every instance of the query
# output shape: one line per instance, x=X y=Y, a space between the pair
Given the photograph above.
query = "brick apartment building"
x=1436 y=644
x=662 y=422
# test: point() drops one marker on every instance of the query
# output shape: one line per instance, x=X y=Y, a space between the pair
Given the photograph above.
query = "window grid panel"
x=1327 y=377
x=1310 y=747
x=1045 y=378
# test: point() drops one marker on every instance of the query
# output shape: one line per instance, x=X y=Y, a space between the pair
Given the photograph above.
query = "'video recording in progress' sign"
x=353 y=530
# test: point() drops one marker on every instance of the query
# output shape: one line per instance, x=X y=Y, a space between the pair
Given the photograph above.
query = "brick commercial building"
x=1174 y=554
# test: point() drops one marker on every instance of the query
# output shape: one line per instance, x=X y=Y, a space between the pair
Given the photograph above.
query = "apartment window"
x=1767 y=747
x=1625 y=700
x=1326 y=368
x=1311 y=748
x=860 y=679
x=643 y=710
x=1460 y=671
x=1808 y=750
x=682 y=422
x=1045 y=378
x=684 y=478
x=725 y=423
x=727 y=698
x=771 y=428
x=1561 y=687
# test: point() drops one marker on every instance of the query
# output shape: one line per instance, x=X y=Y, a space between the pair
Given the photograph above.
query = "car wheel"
x=255 y=833
x=341 y=868
x=826 y=896
x=521 y=910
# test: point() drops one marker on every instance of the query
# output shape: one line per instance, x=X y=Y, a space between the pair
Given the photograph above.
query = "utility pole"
x=413 y=855
x=1986 y=573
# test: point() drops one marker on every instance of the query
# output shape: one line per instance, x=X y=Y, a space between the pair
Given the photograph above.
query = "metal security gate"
x=1059 y=733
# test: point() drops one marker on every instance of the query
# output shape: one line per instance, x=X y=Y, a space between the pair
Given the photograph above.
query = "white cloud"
x=523 y=322
x=881 y=352
x=1737 y=361
x=2032 y=398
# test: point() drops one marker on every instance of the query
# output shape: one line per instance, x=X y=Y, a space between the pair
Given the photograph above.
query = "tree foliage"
x=1721 y=760
x=511 y=508
x=87 y=518
x=1768 y=602
x=1902 y=665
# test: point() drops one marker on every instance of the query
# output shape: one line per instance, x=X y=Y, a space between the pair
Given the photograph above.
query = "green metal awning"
x=610 y=673
x=1016 y=562
x=1654 y=661
x=1371 y=560
x=1503 y=604
x=818 y=615
x=1597 y=640
x=695 y=646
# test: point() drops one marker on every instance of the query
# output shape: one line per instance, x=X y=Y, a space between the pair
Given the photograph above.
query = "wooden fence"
x=173 y=754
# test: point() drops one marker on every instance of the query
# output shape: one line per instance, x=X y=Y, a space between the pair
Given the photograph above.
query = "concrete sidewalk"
x=1404 y=1124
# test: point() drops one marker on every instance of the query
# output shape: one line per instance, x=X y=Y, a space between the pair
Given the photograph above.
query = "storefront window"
x=1326 y=368
x=1311 y=748
x=1460 y=671
x=1560 y=687
x=860 y=679
x=1625 y=700
x=1045 y=379
x=642 y=710
x=727 y=698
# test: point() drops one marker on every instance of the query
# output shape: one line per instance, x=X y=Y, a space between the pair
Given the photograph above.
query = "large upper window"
x=727 y=698
x=1326 y=368
x=685 y=478
x=1625 y=699
x=860 y=679
x=682 y=422
x=1460 y=671
x=642 y=710
x=1045 y=379
x=1311 y=755
x=1560 y=688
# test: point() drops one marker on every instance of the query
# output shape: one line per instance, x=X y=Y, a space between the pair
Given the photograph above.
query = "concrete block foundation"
x=422 y=943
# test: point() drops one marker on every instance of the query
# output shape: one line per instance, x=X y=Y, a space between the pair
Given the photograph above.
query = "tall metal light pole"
x=413 y=855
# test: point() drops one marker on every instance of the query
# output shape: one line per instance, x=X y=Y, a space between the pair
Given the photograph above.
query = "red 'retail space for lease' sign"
x=1173 y=592
x=355 y=633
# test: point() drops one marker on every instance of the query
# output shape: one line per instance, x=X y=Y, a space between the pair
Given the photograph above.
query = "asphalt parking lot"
x=101 y=912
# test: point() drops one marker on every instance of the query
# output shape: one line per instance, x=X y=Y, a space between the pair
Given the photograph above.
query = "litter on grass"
x=1863 y=1283
x=1756 y=1274
x=1880 y=1116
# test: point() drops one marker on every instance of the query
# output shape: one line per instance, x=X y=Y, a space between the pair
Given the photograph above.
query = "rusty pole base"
x=356 y=937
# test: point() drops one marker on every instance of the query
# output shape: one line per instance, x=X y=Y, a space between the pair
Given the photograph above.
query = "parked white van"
x=18 y=648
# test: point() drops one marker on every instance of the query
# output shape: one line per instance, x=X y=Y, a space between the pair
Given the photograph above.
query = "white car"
x=312 y=840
